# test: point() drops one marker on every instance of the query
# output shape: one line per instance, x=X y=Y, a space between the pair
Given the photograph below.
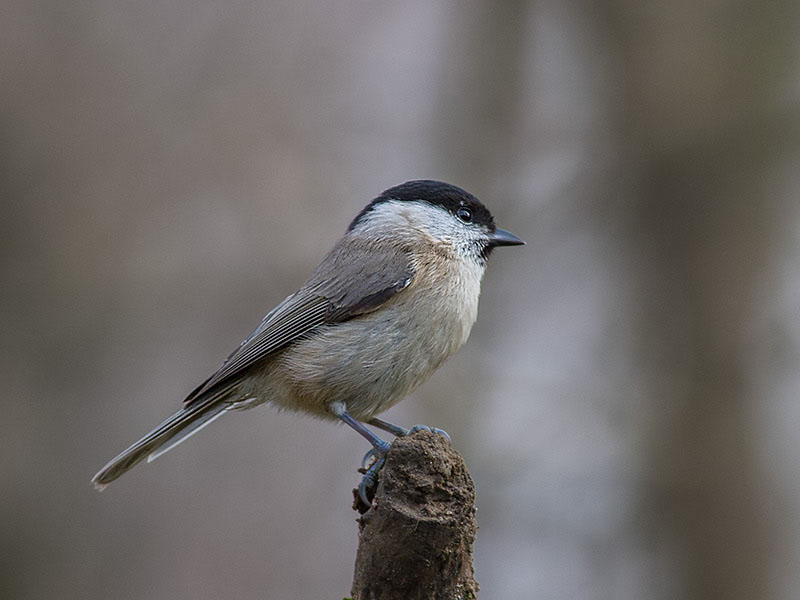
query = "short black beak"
x=501 y=237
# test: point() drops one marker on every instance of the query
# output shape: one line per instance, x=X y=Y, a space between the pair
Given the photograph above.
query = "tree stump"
x=415 y=541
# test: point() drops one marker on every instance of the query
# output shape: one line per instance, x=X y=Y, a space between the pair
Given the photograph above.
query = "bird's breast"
x=374 y=360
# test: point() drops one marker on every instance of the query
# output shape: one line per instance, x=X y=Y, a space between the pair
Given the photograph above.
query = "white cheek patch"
x=404 y=219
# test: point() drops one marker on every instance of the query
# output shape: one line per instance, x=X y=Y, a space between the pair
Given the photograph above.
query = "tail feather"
x=163 y=438
x=206 y=419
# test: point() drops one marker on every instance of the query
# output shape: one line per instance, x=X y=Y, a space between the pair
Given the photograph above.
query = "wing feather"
x=351 y=281
x=292 y=318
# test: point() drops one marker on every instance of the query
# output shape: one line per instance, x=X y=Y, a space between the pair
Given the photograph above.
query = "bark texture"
x=415 y=541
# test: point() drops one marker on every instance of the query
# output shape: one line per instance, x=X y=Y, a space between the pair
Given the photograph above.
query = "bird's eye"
x=464 y=215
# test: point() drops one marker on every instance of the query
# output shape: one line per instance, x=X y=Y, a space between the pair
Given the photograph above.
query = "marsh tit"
x=394 y=298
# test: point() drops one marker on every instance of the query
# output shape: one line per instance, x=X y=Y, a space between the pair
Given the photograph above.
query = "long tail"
x=180 y=426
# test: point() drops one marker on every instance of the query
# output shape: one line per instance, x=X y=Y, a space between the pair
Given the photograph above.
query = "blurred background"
x=627 y=403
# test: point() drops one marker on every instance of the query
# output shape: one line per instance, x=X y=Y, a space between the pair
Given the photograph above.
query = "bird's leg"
x=395 y=430
x=366 y=489
x=380 y=446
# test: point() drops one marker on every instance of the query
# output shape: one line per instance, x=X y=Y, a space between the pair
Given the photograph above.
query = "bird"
x=392 y=300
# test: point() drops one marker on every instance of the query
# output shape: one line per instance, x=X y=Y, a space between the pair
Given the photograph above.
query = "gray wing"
x=357 y=278
x=351 y=281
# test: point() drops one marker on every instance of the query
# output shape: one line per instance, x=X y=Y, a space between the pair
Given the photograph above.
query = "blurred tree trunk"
x=698 y=83
x=477 y=106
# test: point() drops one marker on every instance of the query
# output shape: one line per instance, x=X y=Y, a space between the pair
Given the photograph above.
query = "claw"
x=442 y=433
x=371 y=453
x=370 y=479
x=416 y=428
x=435 y=430
x=366 y=489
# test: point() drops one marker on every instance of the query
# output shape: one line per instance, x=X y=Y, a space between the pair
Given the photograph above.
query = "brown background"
x=628 y=402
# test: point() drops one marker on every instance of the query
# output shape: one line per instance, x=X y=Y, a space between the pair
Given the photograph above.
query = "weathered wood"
x=415 y=541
